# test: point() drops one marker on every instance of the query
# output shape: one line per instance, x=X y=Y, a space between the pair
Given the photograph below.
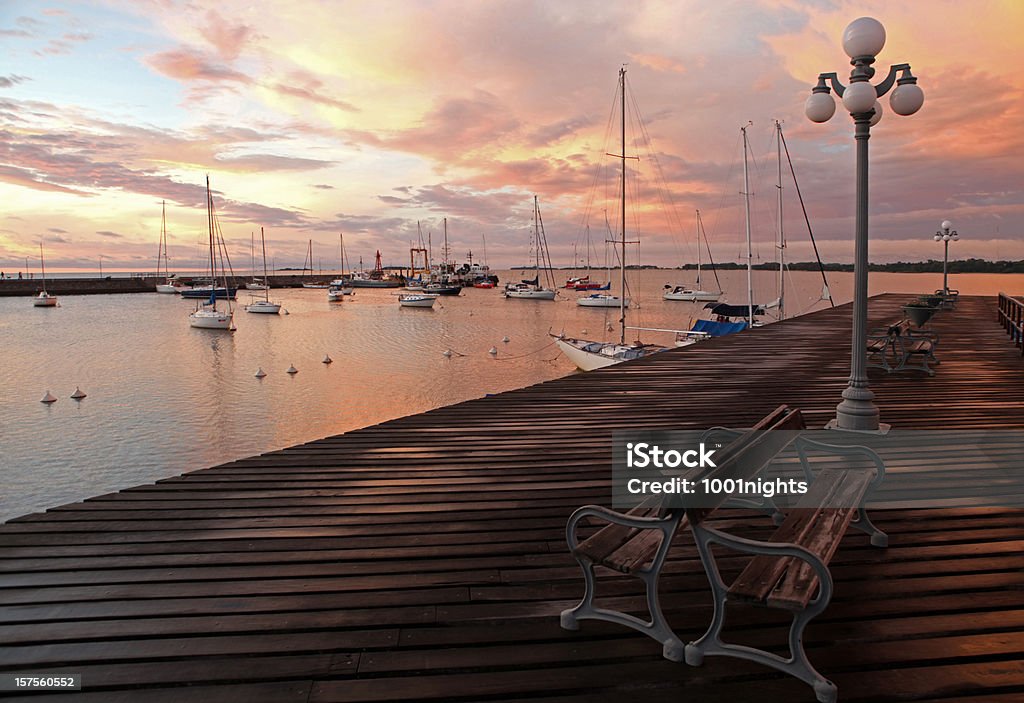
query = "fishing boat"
x=530 y=289
x=589 y=355
x=417 y=300
x=207 y=315
x=266 y=305
x=171 y=283
x=44 y=299
x=696 y=294
x=377 y=278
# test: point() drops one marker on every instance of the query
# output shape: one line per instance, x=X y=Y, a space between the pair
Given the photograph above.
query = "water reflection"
x=166 y=398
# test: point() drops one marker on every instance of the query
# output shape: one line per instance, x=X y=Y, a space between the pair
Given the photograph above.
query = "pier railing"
x=1011 y=317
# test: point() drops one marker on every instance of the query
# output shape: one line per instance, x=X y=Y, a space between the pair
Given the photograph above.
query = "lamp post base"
x=881 y=429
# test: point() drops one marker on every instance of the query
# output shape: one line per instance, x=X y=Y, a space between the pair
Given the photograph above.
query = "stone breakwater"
x=112 y=284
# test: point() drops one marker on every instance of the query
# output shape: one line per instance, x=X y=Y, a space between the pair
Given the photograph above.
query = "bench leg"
x=797 y=664
x=657 y=627
x=863 y=523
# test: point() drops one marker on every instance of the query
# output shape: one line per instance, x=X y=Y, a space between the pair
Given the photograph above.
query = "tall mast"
x=698 y=250
x=162 y=249
x=782 y=237
x=209 y=224
x=444 y=264
x=42 y=264
x=622 y=259
x=536 y=241
x=266 y=281
x=746 y=201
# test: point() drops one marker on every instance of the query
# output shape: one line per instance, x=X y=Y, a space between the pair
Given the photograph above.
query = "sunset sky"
x=315 y=117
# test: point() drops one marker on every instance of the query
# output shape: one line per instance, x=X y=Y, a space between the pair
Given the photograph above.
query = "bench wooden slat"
x=747 y=455
x=614 y=539
x=812 y=525
x=800 y=582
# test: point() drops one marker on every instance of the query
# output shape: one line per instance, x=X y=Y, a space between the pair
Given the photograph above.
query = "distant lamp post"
x=946 y=235
x=101 y=265
x=863 y=39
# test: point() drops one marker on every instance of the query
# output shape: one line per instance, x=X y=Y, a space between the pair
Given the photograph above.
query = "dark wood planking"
x=429 y=552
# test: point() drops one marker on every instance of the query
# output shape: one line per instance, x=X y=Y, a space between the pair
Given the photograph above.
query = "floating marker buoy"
x=328 y=359
x=505 y=339
x=447 y=352
x=48 y=398
x=292 y=370
x=610 y=328
x=287 y=313
x=260 y=373
x=471 y=313
x=493 y=351
x=583 y=331
x=78 y=394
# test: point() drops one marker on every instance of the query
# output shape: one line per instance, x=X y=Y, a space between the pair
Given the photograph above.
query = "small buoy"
x=583 y=331
x=260 y=373
x=610 y=328
x=492 y=351
x=292 y=370
x=328 y=359
x=447 y=352
x=48 y=398
x=471 y=313
x=505 y=339
x=78 y=394
x=287 y=313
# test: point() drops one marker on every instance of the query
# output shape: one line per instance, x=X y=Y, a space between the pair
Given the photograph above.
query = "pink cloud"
x=181 y=64
x=227 y=38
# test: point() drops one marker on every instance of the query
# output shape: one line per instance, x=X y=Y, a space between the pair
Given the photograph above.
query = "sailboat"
x=340 y=287
x=531 y=289
x=257 y=283
x=312 y=284
x=590 y=355
x=265 y=305
x=170 y=284
x=206 y=315
x=696 y=294
x=44 y=299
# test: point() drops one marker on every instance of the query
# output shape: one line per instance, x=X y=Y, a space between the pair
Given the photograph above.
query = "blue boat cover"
x=718 y=329
x=727 y=310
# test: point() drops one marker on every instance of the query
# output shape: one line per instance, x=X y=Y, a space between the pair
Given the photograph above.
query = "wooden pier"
x=424 y=559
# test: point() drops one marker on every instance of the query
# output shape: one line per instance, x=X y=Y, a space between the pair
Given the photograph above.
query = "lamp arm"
x=832 y=78
x=884 y=87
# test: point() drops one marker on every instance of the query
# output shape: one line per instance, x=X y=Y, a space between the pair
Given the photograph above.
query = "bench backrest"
x=747 y=455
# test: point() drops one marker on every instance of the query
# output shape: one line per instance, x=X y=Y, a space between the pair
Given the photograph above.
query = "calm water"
x=164 y=398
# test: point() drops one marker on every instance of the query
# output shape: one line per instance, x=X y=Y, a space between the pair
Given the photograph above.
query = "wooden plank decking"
x=423 y=559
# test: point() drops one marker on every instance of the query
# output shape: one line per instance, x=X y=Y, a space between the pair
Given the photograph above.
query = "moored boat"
x=417 y=300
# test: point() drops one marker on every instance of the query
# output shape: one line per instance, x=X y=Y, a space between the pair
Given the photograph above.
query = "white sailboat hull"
x=255 y=286
x=210 y=320
x=417 y=301
x=44 y=300
x=601 y=301
x=167 y=288
x=264 y=306
x=701 y=296
x=589 y=356
x=539 y=294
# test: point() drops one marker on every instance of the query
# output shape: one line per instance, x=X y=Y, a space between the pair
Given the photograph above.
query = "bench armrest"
x=803 y=444
x=661 y=522
x=707 y=536
x=723 y=434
